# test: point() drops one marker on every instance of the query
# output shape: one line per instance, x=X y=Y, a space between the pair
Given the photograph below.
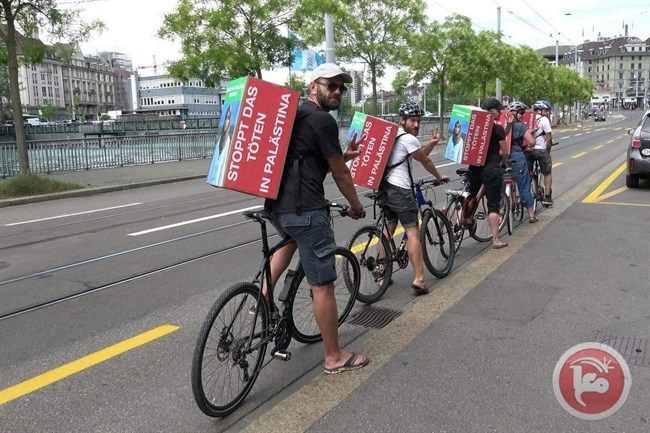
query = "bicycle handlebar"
x=343 y=209
x=434 y=182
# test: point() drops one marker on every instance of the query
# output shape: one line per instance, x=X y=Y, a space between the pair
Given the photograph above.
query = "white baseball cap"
x=330 y=70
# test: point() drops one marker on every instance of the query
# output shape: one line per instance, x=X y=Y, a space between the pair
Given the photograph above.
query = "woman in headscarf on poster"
x=454 y=149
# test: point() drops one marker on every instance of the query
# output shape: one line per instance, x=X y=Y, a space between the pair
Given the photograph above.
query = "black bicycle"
x=230 y=351
x=377 y=252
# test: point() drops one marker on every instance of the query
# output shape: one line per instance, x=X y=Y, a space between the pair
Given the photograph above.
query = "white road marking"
x=157 y=229
x=70 y=214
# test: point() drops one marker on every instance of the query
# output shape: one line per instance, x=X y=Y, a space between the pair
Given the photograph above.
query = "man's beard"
x=327 y=104
x=413 y=130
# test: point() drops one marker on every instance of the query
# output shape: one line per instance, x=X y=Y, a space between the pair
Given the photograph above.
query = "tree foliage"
x=229 y=38
x=20 y=22
x=366 y=31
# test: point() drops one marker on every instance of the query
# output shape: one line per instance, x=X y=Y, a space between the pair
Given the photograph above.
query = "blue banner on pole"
x=305 y=59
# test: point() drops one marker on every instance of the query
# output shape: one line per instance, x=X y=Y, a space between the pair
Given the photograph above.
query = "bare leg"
x=548 y=181
x=415 y=255
x=493 y=219
x=279 y=263
x=326 y=316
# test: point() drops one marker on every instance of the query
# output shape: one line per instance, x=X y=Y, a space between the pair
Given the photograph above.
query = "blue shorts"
x=316 y=244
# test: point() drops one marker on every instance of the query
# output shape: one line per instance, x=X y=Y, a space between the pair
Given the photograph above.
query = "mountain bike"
x=468 y=213
x=376 y=251
x=231 y=347
x=514 y=198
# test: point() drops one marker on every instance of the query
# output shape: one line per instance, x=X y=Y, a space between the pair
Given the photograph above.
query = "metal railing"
x=48 y=156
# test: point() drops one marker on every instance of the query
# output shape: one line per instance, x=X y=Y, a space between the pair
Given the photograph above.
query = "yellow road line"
x=594 y=196
x=611 y=193
x=375 y=240
x=600 y=146
x=557 y=164
x=33 y=384
x=579 y=155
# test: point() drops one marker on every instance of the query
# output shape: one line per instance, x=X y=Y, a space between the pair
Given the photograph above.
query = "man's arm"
x=423 y=159
x=549 y=141
x=343 y=178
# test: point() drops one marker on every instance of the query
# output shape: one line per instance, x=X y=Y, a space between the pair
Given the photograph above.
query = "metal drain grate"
x=634 y=350
x=374 y=317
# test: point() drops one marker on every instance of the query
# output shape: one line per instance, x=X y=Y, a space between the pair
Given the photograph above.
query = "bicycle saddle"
x=257 y=215
x=462 y=171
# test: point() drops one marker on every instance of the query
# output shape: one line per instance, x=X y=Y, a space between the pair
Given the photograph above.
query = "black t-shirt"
x=314 y=138
x=498 y=134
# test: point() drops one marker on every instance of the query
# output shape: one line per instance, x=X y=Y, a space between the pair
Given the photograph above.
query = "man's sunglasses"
x=521 y=112
x=332 y=86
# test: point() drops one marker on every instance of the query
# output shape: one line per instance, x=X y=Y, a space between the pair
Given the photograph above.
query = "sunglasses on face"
x=332 y=86
x=521 y=112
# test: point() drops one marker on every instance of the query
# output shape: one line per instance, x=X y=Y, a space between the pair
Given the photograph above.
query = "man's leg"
x=279 y=263
x=415 y=255
x=326 y=315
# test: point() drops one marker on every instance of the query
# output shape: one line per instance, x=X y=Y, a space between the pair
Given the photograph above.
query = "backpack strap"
x=295 y=163
x=390 y=167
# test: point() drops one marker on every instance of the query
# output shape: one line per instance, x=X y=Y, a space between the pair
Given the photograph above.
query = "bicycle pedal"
x=281 y=355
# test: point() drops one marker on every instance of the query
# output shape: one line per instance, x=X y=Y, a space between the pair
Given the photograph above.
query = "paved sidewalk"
x=102 y=180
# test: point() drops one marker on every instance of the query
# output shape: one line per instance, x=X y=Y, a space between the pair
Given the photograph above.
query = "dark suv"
x=638 y=154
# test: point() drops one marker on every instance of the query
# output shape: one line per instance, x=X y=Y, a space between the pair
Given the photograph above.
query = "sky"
x=132 y=24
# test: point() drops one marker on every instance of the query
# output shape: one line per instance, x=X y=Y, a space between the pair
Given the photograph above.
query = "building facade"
x=619 y=68
x=163 y=95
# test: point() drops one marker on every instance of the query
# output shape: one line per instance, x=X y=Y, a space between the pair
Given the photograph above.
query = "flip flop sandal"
x=348 y=366
x=533 y=220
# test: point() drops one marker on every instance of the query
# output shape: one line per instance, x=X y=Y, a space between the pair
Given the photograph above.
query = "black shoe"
x=547 y=201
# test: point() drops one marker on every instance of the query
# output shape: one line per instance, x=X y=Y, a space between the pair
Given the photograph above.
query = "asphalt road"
x=103 y=297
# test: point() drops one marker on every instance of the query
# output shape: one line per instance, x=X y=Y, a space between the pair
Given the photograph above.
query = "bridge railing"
x=48 y=156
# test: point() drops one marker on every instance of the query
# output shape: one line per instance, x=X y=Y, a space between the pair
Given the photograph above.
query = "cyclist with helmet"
x=541 y=152
x=522 y=138
x=397 y=184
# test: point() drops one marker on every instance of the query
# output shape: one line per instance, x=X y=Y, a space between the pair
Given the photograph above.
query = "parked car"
x=599 y=115
x=638 y=153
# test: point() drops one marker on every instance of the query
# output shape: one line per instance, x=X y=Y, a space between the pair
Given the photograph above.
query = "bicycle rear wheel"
x=437 y=240
x=230 y=350
x=480 y=228
x=301 y=305
x=376 y=272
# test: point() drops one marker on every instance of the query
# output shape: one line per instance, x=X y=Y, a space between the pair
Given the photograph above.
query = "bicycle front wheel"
x=455 y=216
x=437 y=240
x=301 y=304
x=230 y=350
x=371 y=249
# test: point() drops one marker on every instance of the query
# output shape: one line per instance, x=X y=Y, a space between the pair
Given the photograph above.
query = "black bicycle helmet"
x=410 y=108
x=516 y=106
x=491 y=104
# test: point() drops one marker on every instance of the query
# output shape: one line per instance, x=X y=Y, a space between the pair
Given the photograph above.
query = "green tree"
x=366 y=30
x=295 y=82
x=20 y=22
x=438 y=53
x=229 y=38
x=72 y=110
x=46 y=110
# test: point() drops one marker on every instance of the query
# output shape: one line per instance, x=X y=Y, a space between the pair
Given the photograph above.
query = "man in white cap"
x=302 y=211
